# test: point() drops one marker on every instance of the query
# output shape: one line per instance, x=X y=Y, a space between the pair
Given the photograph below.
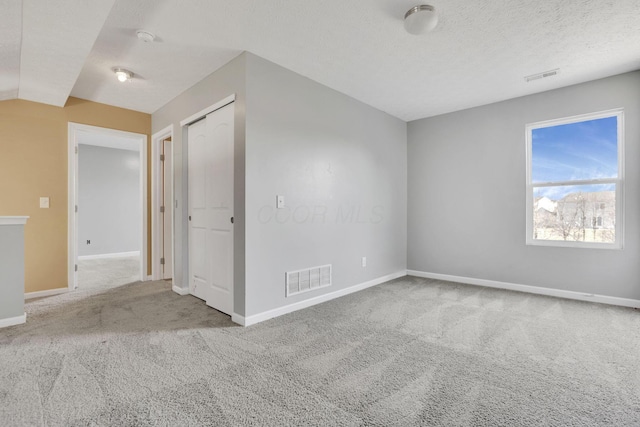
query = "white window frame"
x=619 y=182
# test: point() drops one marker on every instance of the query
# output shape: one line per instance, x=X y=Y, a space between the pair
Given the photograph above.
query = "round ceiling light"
x=420 y=19
x=145 y=36
x=123 y=75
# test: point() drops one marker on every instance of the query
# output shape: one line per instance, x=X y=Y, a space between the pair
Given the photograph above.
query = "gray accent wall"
x=341 y=167
x=109 y=200
x=466 y=187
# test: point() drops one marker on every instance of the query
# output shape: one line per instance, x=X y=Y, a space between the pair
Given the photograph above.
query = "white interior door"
x=210 y=162
x=167 y=215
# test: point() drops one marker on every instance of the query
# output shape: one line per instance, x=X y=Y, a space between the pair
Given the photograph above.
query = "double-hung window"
x=575 y=181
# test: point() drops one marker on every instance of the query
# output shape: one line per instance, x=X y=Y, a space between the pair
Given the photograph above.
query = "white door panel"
x=210 y=158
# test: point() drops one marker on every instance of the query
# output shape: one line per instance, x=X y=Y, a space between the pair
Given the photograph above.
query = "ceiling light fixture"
x=420 y=19
x=123 y=75
x=145 y=36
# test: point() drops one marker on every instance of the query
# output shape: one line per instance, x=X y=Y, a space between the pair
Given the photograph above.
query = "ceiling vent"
x=542 y=75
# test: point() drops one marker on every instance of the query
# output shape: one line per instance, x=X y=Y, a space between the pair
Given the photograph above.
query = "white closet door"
x=210 y=158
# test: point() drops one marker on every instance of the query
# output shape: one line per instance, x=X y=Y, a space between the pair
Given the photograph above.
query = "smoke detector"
x=145 y=36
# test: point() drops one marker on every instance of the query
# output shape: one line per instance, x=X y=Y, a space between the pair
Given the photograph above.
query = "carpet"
x=106 y=273
x=408 y=352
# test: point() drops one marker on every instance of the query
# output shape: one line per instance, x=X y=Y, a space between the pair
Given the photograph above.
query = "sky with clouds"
x=575 y=151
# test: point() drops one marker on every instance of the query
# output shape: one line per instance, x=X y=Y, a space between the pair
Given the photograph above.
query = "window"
x=575 y=181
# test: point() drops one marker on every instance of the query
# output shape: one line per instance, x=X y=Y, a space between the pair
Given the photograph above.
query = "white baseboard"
x=581 y=296
x=179 y=290
x=13 y=321
x=270 y=314
x=47 y=293
x=240 y=320
x=112 y=255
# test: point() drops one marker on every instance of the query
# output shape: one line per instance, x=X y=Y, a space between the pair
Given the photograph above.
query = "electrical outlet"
x=364 y=261
x=44 y=202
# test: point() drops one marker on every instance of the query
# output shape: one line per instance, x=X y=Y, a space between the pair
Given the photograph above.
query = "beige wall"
x=33 y=163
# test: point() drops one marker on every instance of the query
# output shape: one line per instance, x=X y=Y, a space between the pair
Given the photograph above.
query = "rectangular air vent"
x=306 y=280
x=542 y=75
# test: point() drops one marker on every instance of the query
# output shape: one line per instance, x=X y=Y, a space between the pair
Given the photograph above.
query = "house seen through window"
x=575 y=180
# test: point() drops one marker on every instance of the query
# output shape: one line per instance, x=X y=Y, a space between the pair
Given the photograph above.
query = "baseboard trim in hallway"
x=109 y=255
x=47 y=293
x=180 y=291
x=11 y=321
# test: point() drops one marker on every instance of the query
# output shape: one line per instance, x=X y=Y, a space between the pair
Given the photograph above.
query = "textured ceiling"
x=10 y=40
x=479 y=53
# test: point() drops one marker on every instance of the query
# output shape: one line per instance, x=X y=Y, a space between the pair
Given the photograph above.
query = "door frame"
x=156 y=187
x=72 y=196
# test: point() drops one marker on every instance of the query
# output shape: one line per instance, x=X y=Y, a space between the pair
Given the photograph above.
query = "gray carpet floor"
x=104 y=273
x=408 y=352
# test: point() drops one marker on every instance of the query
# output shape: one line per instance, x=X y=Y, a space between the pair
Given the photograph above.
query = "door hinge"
x=161 y=261
x=76 y=149
x=76 y=208
x=76 y=268
x=161 y=209
x=162 y=157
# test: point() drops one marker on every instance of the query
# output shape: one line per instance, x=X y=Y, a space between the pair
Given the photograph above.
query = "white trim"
x=47 y=293
x=180 y=291
x=197 y=116
x=72 y=196
x=148 y=278
x=11 y=321
x=270 y=314
x=240 y=320
x=559 y=293
x=618 y=181
x=72 y=192
x=157 y=139
x=111 y=255
x=13 y=220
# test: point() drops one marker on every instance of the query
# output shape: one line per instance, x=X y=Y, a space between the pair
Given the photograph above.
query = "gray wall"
x=466 y=186
x=341 y=166
x=226 y=81
x=108 y=200
x=321 y=150
x=11 y=271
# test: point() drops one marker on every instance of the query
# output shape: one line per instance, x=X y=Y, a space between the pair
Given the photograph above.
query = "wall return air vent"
x=300 y=281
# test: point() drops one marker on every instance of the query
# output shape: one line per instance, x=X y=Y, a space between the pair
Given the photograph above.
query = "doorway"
x=107 y=206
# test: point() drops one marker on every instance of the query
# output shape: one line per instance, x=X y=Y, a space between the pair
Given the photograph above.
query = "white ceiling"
x=479 y=53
